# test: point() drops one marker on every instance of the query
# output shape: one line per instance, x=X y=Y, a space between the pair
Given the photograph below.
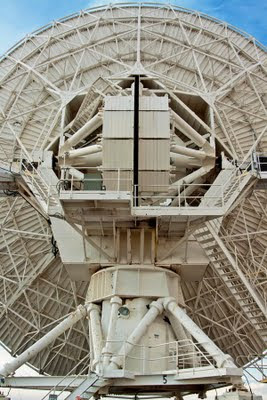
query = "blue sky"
x=19 y=17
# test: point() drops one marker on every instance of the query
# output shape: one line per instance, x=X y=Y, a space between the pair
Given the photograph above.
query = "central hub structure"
x=137 y=180
x=130 y=328
x=127 y=295
x=140 y=175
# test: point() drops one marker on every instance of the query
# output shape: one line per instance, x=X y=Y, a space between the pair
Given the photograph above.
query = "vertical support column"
x=107 y=351
x=136 y=140
x=96 y=332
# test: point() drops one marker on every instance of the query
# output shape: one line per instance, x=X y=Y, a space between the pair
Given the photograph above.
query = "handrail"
x=54 y=388
x=156 y=195
x=28 y=174
x=156 y=192
x=34 y=175
x=179 y=355
x=256 y=163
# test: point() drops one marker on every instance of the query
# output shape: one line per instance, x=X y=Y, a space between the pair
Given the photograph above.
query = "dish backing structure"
x=133 y=203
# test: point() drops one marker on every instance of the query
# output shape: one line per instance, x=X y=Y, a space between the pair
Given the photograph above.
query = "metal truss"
x=186 y=53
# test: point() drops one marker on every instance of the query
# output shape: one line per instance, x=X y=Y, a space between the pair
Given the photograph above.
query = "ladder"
x=226 y=188
x=227 y=268
x=91 y=385
x=37 y=181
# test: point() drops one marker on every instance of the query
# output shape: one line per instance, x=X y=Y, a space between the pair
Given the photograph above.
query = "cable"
x=12 y=193
x=214 y=388
x=55 y=250
x=62 y=184
x=249 y=387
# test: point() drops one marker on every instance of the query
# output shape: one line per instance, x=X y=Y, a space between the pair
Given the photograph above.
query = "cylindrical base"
x=131 y=281
x=137 y=336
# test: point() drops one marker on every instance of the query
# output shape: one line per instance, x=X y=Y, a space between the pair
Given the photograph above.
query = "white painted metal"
x=229 y=271
x=239 y=394
x=154 y=155
x=49 y=96
x=84 y=151
x=12 y=366
x=90 y=386
x=127 y=281
x=191 y=133
x=119 y=127
x=181 y=161
x=112 y=148
x=83 y=132
x=94 y=160
x=221 y=359
x=95 y=331
x=154 y=309
x=107 y=351
x=158 y=119
x=188 y=152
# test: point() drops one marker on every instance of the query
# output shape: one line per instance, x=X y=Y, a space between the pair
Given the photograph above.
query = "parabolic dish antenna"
x=133 y=202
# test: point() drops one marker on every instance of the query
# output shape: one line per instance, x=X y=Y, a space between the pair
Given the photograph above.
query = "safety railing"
x=61 y=387
x=181 y=195
x=73 y=185
x=156 y=195
x=172 y=357
x=39 y=184
x=149 y=195
x=259 y=164
x=118 y=180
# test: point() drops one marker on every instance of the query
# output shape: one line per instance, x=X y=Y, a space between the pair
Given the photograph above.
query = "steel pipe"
x=192 y=134
x=12 y=366
x=83 y=132
x=188 y=191
x=222 y=360
x=96 y=331
x=155 y=309
x=178 y=328
x=93 y=160
x=116 y=302
x=174 y=188
x=76 y=174
x=186 y=151
x=181 y=161
x=184 y=338
x=84 y=151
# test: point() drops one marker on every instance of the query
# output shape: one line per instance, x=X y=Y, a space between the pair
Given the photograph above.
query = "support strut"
x=136 y=140
x=13 y=365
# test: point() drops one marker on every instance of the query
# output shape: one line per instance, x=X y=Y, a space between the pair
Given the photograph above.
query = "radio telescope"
x=133 y=203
